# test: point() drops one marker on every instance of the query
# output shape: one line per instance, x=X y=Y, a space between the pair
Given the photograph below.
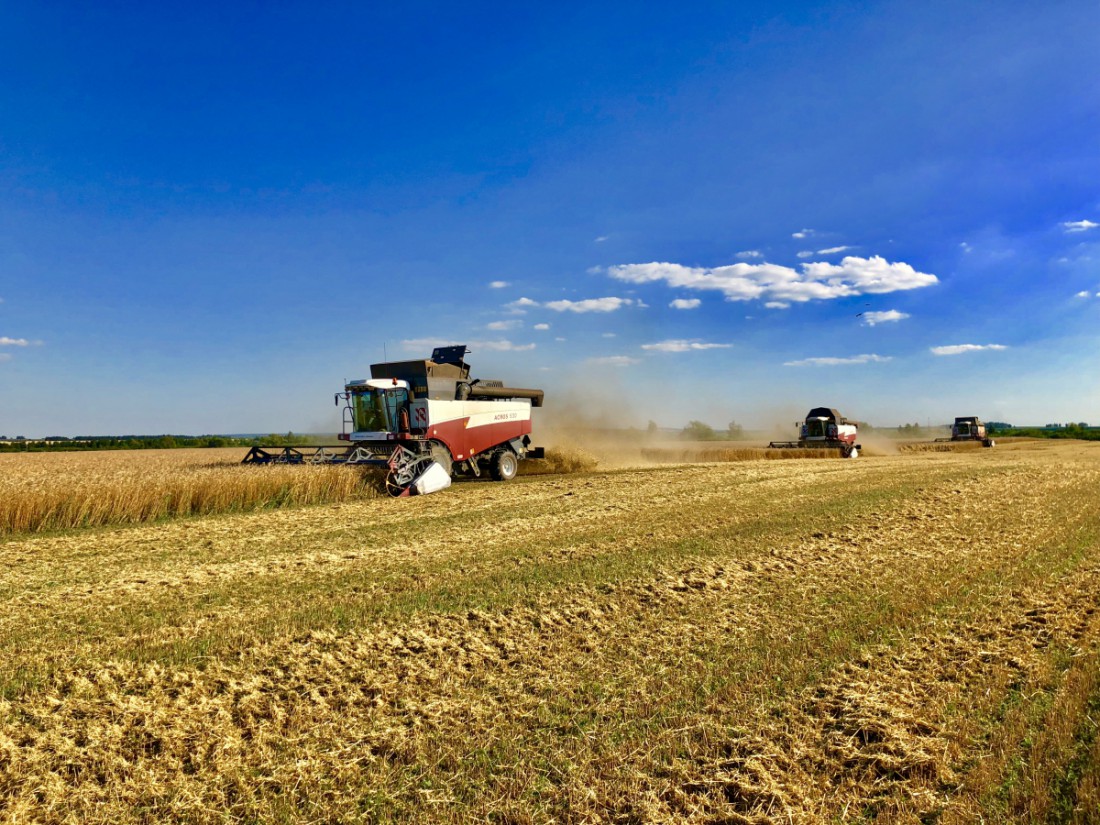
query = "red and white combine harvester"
x=969 y=428
x=825 y=429
x=425 y=421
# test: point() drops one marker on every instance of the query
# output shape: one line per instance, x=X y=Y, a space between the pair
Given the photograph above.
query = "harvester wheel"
x=503 y=465
x=852 y=453
x=442 y=456
x=989 y=442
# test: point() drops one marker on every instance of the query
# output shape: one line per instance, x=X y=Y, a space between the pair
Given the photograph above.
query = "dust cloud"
x=877 y=444
x=593 y=420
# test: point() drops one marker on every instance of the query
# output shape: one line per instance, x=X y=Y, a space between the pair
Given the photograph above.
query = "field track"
x=912 y=638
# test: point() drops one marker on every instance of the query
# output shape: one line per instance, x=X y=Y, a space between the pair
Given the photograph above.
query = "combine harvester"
x=969 y=428
x=425 y=421
x=824 y=429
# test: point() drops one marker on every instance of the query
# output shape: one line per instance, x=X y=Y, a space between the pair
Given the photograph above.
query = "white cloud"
x=519 y=306
x=600 y=239
x=1079 y=226
x=499 y=284
x=682 y=345
x=805 y=253
x=777 y=305
x=750 y=253
x=771 y=282
x=959 y=349
x=833 y=250
x=590 y=305
x=609 y=335
x=685 y=303
x=613 y=361
x=1083 y=294
x=542 y=326
x=872 y=318
x=13 y=342
x=965 y=247
x=559 y=339
x=500 y=326
x=500 y=346
x=805 y=233
x=426 y=345
x=834 y=362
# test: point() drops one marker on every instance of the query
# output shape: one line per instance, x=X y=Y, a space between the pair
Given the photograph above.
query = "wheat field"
x=905 y=639
x=53 y=491
x=56 y=491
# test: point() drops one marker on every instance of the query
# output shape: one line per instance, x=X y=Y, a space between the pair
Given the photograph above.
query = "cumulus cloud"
x=959 y=349
x=749 y=254
x=591 y=305
x=834 y=362
x=772 y=282
x=500 y=346
x=1083 y=294
x=685 y=303
x=500 y=326
x=542 y=326
x=426 y=345
x=804 y=233
x=5 y=341
x=613 y=361
x=682 y=345
x=521 y=305
x=805 y=253
x=872 y=318
x=1079 y=226
x=499 y=284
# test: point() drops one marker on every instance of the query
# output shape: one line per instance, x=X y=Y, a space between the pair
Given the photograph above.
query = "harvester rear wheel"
x=503 y=465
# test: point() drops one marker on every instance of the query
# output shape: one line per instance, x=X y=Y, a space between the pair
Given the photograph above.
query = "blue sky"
x=213 y=214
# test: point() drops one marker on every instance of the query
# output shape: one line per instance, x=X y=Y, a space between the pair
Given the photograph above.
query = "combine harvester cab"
x=825 y=429
x=426 y=421
x=969 y=428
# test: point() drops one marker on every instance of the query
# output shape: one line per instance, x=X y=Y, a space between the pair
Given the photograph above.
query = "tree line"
x=149 y=442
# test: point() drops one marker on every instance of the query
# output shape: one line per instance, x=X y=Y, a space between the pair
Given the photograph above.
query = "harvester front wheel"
x=853 y=452
x=503 y=465
x=442 y=456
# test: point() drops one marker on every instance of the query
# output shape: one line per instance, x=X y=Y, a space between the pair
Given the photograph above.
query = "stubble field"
x=911 y=638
